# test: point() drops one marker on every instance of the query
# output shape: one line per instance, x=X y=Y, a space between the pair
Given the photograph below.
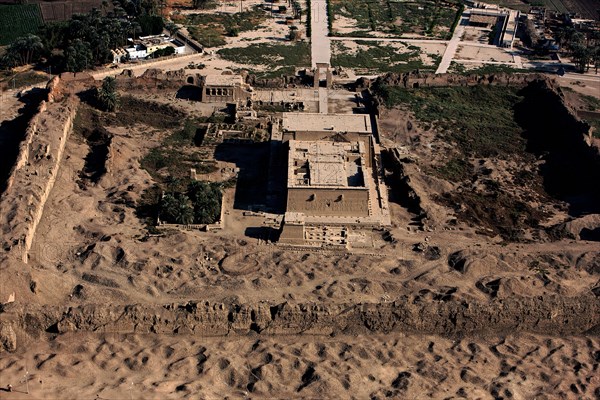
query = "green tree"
x=596 y=57
x=78 y=56
x=173 y=28
x=582 y=56
x=176 y=208
x=166 y=51
x=107 y=95
x=24 y=50
x=150 y=24
x=206 y=199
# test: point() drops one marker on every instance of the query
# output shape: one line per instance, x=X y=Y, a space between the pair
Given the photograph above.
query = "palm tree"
x=173 y=28
x=176 y=209
x=107 y=94
x=582 y=55
x=26 y=49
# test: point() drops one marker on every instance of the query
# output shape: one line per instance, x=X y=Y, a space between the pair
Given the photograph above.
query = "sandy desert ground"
x=90 y=247
x=77 y=366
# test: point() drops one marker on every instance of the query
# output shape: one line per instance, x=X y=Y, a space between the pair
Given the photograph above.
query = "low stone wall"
x=32 y=177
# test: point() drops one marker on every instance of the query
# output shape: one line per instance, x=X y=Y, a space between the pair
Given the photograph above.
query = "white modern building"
x=146 y=45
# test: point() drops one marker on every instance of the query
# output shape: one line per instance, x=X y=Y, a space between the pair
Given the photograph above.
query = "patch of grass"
x=525 y=5
x=22 y=79
x=375 y=58
x=456 y=68
x=592 y=103
x=17 y=20
x=209 y=35
x=456 y=170
x=277 y=56
x=188 y=135
x=135 y=111
x=164 y=161
x=427 y=17
x=496 y=69
x=210 y=29
x=478 y=119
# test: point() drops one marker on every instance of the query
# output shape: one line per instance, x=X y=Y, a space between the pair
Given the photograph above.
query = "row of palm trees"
x=81 y=42
x=583 y=47
x=200 y=204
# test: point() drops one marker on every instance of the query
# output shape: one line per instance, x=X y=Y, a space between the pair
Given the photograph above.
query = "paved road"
x=320 y=44
x=453 y=45
x=323 y=101
x=580 y=77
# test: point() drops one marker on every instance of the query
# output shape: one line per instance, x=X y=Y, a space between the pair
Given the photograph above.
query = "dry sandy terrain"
x=92 y=230
x=90 y=366
x=483 y=54
x=90 y=247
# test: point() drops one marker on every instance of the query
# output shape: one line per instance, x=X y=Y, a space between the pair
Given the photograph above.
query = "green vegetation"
x=210 y=29
x=479 y=119
x=457 y=18
x=199 y=204
x=583 y=48
x=308 y=22
x=456 y=170
x=106 y=95
x=497 y=69
x=84 y=41
x=22 y=79
x=489 y=69
x=281 y=58
x=592 y=103
x=204 y=4
x=18 y=20
x=525 y=5
x=172 y=159
x=22 y=51
x=166 y=51
x=211 y=35
x=428 y=17
x=376 y=58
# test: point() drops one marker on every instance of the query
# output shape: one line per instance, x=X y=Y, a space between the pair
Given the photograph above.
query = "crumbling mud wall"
x=542 y=314
x=430 y=79
x=36 y=168
x=153 y=78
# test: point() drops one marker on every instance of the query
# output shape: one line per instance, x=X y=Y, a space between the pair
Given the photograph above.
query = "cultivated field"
x=18 y=20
